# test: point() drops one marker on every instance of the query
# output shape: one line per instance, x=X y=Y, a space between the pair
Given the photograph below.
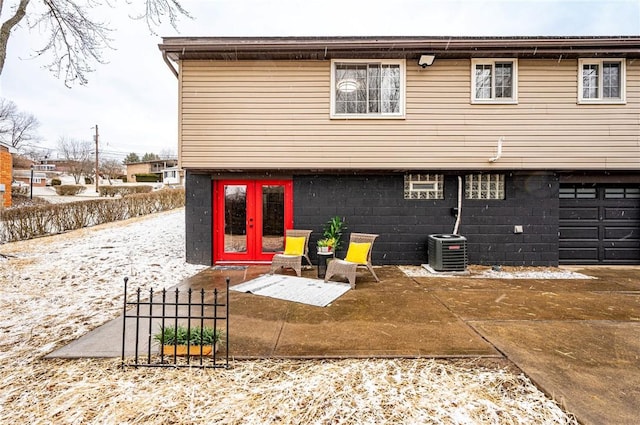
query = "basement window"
x=484 y=186
x=423 y=186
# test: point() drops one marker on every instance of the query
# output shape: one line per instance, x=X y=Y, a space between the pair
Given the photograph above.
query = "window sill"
x=366 y=117
x=602 y=102
x=494 y=102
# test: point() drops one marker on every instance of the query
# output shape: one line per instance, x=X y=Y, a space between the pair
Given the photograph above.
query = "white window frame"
x=403 y=89
x=600 y=99
x=473 y=186
x=413 y=181
x=493 y=100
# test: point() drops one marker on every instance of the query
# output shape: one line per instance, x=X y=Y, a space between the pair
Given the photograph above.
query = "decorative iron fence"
x=191 y=327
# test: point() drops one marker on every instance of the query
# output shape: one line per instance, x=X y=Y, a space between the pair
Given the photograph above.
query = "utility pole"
x=96 y=138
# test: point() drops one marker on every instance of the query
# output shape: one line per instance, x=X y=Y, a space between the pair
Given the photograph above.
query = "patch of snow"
x=480 y=272
x=57 y=288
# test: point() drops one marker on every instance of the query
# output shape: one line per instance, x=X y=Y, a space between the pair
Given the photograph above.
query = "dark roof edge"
x=339 y=47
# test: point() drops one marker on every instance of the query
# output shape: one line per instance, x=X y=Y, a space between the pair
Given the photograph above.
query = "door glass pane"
x=235 y=218
x=272 y=218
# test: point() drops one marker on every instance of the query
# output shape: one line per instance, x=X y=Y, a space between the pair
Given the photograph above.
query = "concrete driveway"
x=577 y=339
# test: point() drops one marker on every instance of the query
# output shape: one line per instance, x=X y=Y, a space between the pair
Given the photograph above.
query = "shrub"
x=69 y=189
x=19 y=190
x=147 y=178
x=40 y=220
x=56 y=182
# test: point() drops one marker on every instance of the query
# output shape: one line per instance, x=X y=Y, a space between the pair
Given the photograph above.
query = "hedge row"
x=41 y=220
x=147 y=178
x=123 y=190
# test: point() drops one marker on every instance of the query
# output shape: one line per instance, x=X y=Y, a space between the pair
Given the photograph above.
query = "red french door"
x=250 y=217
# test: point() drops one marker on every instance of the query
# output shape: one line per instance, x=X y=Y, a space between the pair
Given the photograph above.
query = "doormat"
x=297 y=289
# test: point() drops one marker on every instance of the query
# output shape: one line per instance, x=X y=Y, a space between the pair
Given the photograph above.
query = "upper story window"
x=494 y=81
x=601 y=81
x=367 y=89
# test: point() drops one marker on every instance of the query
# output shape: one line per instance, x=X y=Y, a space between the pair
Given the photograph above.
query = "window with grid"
x=484 y=186
x=494 y=81
x=368 y=89
x=423 y=186
x=601 y=81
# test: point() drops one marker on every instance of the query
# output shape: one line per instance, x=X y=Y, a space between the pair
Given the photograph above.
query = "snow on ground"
x=486 y=272
x=69 y=284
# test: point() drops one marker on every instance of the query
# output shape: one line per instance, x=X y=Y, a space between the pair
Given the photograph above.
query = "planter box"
x=192 y=350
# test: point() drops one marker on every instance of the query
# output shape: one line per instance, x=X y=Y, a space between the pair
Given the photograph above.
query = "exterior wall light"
x=426 y=60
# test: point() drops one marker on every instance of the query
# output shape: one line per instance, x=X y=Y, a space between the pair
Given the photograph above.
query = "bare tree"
x=16 y=127
x=168 y=154
x=21 y=162
x=111 y=169
x=77 y=154
x=75 y=36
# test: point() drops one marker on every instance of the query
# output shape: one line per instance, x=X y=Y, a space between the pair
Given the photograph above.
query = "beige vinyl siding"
x=275 y=115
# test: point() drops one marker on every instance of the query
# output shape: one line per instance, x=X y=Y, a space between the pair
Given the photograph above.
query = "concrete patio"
x=577 y=339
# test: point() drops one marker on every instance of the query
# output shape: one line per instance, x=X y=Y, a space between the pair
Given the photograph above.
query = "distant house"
x=172 y=176
x=149 y=167
x=6 y=173
x=58 y=165
x=527 y=145
x=24 y=176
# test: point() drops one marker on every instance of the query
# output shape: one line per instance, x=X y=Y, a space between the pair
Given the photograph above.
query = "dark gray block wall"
x=376 y=204
x=198 y=219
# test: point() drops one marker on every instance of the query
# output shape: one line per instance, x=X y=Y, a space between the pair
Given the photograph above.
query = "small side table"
x=323 y=257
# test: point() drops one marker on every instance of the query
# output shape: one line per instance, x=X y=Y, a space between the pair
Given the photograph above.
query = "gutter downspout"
x=174 y=71
x=457 y=225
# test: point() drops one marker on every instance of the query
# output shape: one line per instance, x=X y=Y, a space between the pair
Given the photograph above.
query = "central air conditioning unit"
x=447 y=253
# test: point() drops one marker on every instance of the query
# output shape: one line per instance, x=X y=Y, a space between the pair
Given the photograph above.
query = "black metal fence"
x=176 y=329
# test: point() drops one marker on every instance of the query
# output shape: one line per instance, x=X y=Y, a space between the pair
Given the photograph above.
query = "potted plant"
x=332 y=232
x=183 y=341
x=326 y=244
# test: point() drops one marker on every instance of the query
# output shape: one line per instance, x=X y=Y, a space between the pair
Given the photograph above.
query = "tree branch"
x=7 y=27
x=74 y=40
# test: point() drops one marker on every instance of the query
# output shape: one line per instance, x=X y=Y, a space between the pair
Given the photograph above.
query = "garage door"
x=599 y=224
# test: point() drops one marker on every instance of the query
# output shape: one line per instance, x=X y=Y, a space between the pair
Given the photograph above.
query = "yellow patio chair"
x=358 y=254
x=296 y=246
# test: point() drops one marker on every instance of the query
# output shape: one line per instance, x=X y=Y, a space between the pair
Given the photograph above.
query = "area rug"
x=297 y=289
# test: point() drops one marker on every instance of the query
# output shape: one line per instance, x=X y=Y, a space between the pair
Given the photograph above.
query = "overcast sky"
x=133 y=98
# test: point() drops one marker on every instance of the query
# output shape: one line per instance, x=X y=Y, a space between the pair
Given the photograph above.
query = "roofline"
x=325 y=48
x=9 y=147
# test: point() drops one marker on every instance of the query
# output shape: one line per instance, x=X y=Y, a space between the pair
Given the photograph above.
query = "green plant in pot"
x=326 y=244
x=181 y=340
x=332 y=232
